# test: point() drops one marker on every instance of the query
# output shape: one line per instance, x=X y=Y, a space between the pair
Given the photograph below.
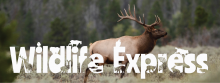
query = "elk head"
x=149 y=29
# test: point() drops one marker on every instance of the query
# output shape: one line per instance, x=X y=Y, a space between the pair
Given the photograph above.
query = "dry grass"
x=212 y=75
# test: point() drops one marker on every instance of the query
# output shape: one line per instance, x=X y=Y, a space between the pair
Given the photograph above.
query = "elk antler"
x=157 y=22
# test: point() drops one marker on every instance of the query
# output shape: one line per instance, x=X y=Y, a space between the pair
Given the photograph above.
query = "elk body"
x=133 y=44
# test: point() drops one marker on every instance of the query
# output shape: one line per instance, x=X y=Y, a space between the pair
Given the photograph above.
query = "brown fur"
x=133 y=45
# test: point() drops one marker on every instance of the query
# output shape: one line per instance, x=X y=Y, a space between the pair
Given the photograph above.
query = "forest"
x=56 y=22
x=23 y=23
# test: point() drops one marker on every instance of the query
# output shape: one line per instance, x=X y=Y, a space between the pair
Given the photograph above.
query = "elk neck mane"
x=146 y=42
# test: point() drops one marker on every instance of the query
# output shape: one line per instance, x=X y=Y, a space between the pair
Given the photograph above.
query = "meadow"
x=210 y=75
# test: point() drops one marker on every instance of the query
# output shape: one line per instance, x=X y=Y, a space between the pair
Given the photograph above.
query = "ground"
x=108 y=76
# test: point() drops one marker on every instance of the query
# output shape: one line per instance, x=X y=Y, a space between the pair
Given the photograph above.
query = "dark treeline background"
x=56 y=22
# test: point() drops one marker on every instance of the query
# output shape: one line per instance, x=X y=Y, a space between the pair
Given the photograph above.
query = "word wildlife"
x=71 y=51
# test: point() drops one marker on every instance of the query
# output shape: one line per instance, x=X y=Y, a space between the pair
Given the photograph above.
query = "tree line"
x=92 y=20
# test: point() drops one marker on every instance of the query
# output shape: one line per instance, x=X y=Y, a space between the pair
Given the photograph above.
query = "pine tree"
x=201 y=16
x=8 y=38
x=58 y=35
x=27 y=31
x=155 y=10
x=111 y=17
x=74 y=19
x=185 y=21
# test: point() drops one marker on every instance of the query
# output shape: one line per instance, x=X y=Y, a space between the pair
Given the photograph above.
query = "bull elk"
x=134 y=44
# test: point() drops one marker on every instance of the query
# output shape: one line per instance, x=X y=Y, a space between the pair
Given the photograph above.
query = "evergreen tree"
x=8 y=38
x=201 y=16
x=111 y=17
x=172 y=29
x=155 y=10
x=75 y=19
x=211 y=6
x=27 y=32
x=185 y=21
x=58 y=35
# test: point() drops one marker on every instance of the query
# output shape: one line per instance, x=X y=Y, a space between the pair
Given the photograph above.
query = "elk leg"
x=123 y=70
x=135 y=74
x=100 y=64
x=88 y=71
x=86 y=75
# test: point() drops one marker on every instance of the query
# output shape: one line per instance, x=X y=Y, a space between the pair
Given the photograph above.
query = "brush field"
x=212 y=75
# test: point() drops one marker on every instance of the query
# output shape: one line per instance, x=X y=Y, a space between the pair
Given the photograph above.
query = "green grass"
x=212 y=75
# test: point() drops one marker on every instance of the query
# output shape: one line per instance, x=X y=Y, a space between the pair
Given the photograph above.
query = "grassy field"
x=212 y=75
